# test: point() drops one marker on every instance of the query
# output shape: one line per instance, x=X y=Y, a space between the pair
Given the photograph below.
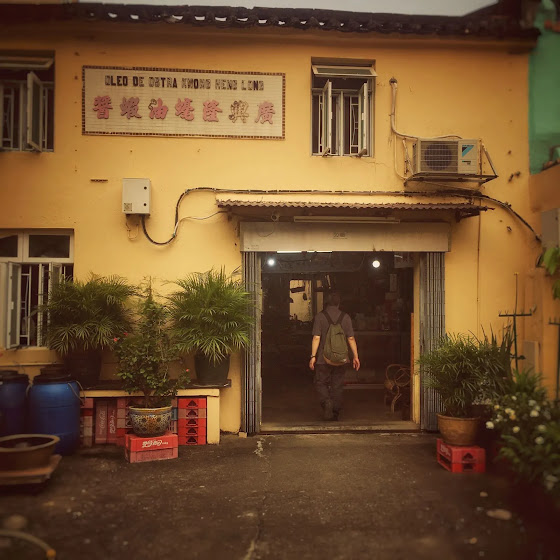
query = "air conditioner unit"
x=444 y=155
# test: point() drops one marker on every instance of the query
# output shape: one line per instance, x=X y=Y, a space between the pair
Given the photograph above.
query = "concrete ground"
x=325 y=496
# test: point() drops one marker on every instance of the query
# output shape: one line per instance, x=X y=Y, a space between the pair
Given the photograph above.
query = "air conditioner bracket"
x=449 y=178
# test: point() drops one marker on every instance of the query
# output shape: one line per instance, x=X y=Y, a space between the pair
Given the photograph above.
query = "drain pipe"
x=394 y=85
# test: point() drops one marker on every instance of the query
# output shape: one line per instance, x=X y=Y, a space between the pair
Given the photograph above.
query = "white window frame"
x=48 y=270
x=32 y=110
x=326 y=116
x=325 y=119
x=35 y=110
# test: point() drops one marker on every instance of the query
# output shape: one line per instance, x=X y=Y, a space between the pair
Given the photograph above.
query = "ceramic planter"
x=148 y=422
x=458 y=431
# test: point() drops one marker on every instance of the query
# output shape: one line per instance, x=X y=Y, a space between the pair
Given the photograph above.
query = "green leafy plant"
x=210 y=314
x=87 y=315
x=465 y=370
x=529 y=428
x=550 y=259
x=145 y=353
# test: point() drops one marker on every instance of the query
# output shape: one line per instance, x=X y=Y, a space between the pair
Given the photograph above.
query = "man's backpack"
x=335 y=351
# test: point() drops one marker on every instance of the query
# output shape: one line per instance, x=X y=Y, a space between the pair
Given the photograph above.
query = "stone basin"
x=26 y=451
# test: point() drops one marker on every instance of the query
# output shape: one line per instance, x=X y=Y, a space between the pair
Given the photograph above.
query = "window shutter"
x=13 y=306
x=34 y=112
x=364 y=120
x=326 y=118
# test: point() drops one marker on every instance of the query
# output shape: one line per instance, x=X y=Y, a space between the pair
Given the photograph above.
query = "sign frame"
x=86 y=132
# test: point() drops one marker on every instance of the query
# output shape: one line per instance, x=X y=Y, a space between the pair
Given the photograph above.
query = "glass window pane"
x=9 y=246
x=55 y=246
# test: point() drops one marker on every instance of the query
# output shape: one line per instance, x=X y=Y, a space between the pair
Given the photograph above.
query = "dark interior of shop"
x=377 y=292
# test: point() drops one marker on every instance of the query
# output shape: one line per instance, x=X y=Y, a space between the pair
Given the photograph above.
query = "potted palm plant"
x=210 y=317
x=83 y=319
x=466 y=372
x=144 y=355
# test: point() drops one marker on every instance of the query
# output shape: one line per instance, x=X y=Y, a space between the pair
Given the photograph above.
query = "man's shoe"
x=328 y=411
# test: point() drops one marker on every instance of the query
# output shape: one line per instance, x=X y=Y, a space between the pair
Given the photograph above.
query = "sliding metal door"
x=432 y=327
x=251 y=387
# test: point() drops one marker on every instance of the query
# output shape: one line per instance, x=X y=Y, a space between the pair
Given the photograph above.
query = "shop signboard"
x=140 y=101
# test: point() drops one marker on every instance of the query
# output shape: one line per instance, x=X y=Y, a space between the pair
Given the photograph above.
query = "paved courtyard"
x=335 y=496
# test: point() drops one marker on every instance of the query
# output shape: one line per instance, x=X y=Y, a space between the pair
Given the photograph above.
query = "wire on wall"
x=407 y=194
x=177 y=220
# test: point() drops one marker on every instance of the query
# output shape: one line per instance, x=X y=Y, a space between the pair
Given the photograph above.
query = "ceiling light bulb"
x=270 y=262
x=376 y=264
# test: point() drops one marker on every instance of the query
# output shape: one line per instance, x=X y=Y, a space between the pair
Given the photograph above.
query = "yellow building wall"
x=471 y=89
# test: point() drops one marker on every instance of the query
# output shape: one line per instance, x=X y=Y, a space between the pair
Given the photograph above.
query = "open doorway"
x=377 y=292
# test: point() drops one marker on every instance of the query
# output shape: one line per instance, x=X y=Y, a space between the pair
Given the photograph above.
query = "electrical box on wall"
x=136 y=196
x=551 y=227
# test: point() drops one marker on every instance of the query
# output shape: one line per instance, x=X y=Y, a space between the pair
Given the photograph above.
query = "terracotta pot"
x=458 y=431
x=148 y=422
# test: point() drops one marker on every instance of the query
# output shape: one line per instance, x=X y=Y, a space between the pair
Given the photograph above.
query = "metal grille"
x=432 y=327
x=438 y=156
x=251 y=383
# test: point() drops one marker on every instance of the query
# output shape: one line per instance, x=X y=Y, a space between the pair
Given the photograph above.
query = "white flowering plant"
x=529 y=428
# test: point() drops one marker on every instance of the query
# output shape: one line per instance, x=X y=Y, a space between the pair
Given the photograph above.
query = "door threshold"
x=402 y=426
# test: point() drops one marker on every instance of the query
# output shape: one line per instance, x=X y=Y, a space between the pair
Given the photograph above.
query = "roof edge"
x=488 y=26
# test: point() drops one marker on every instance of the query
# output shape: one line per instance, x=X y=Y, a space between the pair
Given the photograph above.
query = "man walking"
x=329 y=379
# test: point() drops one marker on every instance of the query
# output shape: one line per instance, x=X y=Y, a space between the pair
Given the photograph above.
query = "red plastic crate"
x=151 y=455
x=112 y=421
x=191 y=413
x=193 y=440
x=184 y=423
x=192 y=431
x=100 y=432
x=196 y=422
x=196 y=413
x=136 y=443
x=188 y=402
x=457 y=458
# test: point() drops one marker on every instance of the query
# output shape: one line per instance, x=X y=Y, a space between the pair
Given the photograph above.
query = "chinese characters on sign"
x=216 y=104
x=183 y=109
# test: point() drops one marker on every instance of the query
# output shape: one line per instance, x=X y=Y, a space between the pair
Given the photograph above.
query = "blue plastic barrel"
x=13 y=388
x=54 y=408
